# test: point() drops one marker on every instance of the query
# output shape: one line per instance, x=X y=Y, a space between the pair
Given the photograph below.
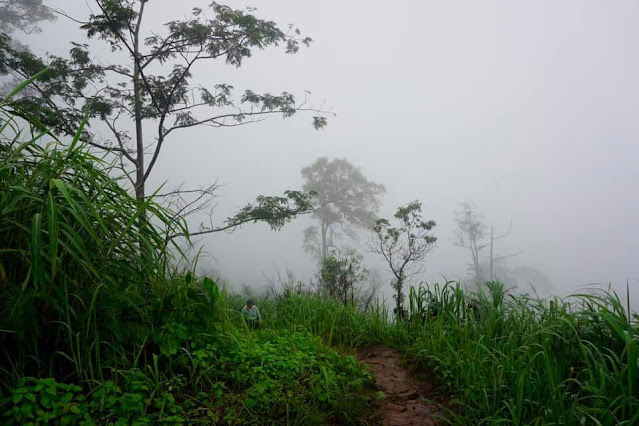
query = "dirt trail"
x=405 y=395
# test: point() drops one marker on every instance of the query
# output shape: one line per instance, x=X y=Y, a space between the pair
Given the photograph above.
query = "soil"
x=409 y=401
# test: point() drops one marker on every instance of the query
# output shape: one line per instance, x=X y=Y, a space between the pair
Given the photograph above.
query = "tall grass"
x=77 y=276
x=505 y=359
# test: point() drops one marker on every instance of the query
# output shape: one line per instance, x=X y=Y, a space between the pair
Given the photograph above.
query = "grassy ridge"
x=505 y=359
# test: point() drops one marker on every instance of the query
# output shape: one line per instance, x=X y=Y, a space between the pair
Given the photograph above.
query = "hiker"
x=251 y=315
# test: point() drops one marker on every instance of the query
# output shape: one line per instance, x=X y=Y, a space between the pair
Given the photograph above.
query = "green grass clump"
x=521 y=360
x=78 y=268
x=279 y=375
x=503 y=358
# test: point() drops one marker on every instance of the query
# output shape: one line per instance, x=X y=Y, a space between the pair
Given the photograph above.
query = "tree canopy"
x=132 y=101
x=345 y=200
x=147 y=82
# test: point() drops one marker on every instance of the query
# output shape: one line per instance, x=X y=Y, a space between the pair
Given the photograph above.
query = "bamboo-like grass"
x=504 y=358
x=78 y=269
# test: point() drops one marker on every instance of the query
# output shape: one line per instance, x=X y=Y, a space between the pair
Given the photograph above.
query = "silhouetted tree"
x=23 y=15
x=345 y=200
x=472 y=235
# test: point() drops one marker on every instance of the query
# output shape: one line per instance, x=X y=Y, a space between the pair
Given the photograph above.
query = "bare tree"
x=405 y=247
x=472 y=235
x=493 y=258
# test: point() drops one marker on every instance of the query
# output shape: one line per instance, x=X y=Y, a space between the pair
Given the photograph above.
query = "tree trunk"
x=475 y=253
x=140 y=183
x=139 y=140
x=492 y=239
x=324 y=248
x=399 y=299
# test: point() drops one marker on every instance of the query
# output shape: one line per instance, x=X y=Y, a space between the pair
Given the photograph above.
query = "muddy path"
x=408 y=400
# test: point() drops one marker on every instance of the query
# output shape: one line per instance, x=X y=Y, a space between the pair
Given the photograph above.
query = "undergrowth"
x=98 y=327
x=502 y=358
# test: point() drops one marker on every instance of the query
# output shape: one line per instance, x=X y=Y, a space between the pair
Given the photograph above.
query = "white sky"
x=530 y=109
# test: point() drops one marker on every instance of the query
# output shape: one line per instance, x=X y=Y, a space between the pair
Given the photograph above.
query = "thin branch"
x=507 y=256
x=510 y=225
x=237 y=114
x=64 y=14
x=118 y=137
x=105 y=147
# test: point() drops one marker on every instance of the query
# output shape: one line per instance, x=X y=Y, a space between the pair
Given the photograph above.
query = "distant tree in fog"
x=472 y=234
x=522 y=279
x=345 y=200
x=341 y=277
x=404 y=247
x=369 y=291
x=23 y=15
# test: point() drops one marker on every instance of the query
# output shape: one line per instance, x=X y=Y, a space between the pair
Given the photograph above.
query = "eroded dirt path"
x=406 y=396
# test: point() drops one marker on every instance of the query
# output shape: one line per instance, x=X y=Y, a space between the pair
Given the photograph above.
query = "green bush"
x=44 y=401
x=238 y=379
x=273 y=374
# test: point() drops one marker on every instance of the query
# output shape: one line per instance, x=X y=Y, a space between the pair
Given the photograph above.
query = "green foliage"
x=504 y=359
x=135 y=399
x=131 y=400
x=404 y=247
x=44 y=401
x=275 y=372
x=275 y=211
x=76 y=268
x=239 y=380
x=526 y=360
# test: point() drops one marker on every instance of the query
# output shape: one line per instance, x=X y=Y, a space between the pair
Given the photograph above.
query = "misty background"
x=528 y=109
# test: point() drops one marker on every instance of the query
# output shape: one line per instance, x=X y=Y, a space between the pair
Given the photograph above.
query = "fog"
x=528 y=109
